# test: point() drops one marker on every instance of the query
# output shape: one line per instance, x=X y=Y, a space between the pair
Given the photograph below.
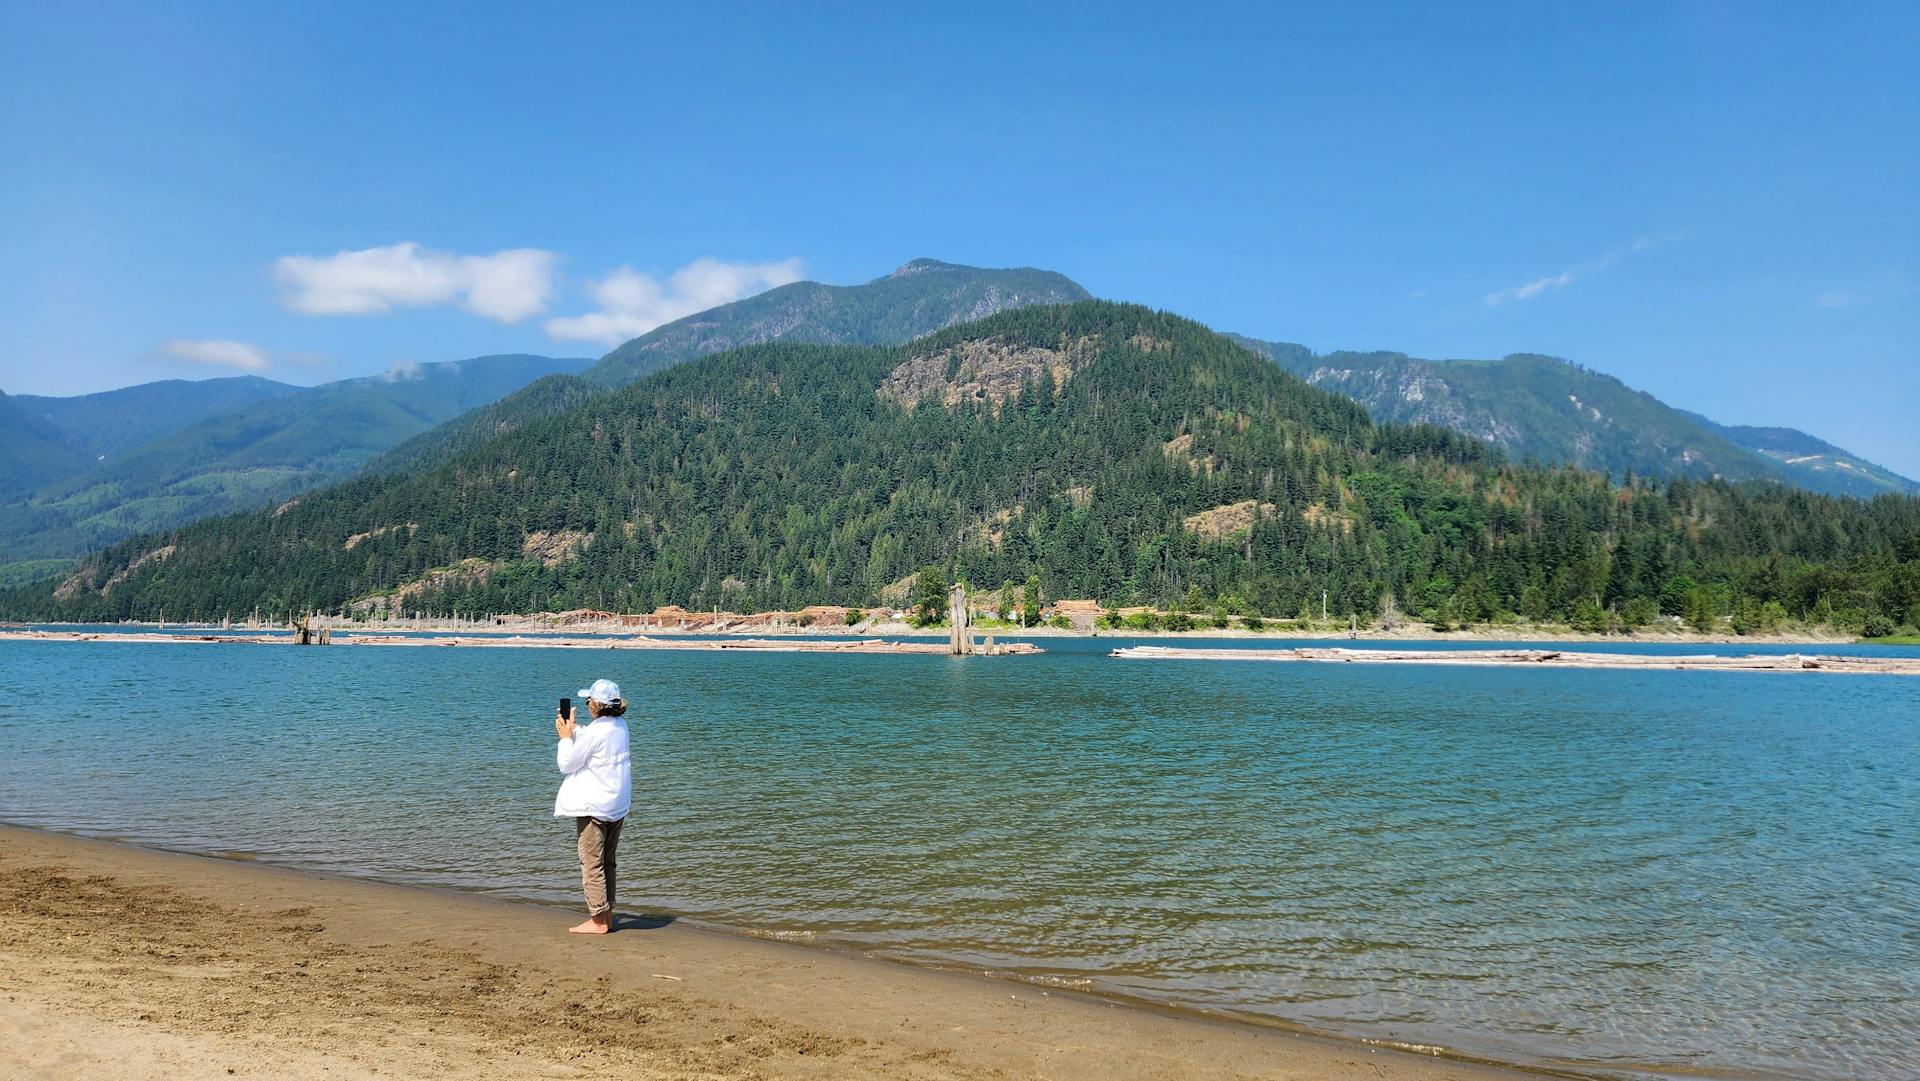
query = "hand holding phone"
x=563 y=720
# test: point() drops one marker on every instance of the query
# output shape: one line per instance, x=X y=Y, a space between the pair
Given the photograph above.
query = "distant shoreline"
x=895 y=629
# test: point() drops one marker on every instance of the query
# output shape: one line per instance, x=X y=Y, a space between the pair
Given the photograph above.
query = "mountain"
x=544 y=397
x=1811 y=462
x=920 y=297
x=43 y=440
x=34 y=451
x=1549 y=410
x=1111 y=451
x=260 y=453
x=113 y=421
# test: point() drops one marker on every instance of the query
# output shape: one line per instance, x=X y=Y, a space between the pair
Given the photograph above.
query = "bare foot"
x=593 y=925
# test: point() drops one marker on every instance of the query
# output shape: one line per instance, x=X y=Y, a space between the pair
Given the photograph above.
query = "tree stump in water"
x=960 y=642
x=312 y=632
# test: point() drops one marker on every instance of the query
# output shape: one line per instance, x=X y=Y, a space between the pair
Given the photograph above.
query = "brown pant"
x=596 y=843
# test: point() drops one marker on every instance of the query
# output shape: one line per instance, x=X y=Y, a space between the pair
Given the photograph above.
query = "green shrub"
x=1589 y=617
x=1639 y=612
x=1701 y=614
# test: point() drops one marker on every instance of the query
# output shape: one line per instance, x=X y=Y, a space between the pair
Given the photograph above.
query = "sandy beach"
x=130 y=963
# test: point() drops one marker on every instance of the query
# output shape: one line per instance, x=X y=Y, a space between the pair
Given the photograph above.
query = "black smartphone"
x=566 y=708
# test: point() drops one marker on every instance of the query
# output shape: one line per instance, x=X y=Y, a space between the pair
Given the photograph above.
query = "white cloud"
x=507 y=286
x=219 y=353
x=1534 y=288
x=1835 y=298
x=404 y=371
x=630 y=303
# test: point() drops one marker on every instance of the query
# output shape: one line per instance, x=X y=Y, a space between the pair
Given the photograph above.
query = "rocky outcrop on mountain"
x=981 y=371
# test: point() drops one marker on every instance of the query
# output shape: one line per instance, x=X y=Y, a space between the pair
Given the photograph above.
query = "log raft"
x=1538 y=658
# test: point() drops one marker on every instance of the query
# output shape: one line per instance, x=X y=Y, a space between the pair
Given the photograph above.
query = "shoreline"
x=891 y=630
x=193 y=936
x=1525 y=653
x=427 y=639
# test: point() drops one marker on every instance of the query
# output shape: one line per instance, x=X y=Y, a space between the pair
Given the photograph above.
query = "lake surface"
x=1616 y=872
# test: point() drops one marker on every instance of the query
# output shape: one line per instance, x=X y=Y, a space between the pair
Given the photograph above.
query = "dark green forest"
x=916 y=299
x=782 y=475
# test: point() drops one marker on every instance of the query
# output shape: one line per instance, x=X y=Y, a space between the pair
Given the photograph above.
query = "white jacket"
x=599 y=772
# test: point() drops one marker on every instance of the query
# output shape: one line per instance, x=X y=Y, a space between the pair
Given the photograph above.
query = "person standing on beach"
x=596 y=793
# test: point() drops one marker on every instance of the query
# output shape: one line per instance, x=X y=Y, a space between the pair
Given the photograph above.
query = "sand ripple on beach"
x=280 y=998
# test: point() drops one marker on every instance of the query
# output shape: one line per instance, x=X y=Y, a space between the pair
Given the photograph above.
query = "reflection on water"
x=1640 y=871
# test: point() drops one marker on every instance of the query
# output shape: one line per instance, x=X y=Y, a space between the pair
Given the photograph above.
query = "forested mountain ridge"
x=1550 y=410
x=259 y=454
x=110 y=422
x=44 y=439
x=35 y=452
x=547 y=396
x=1800 y=456
x=1113 y=452
x=917 y=298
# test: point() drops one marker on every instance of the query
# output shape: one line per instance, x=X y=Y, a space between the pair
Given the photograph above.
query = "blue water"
x=1631 y=872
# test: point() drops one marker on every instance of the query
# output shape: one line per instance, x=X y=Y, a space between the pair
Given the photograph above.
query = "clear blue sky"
x=1719 y=203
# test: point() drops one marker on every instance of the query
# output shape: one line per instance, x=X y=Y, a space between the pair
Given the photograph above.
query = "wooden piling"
x=960 y=641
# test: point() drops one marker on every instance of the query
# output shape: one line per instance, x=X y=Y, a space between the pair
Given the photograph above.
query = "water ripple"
x=1629 y=872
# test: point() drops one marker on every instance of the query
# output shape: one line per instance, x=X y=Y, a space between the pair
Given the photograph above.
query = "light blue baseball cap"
x=604 y=691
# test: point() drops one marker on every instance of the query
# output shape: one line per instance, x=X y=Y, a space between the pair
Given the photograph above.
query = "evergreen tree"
x=930 y=596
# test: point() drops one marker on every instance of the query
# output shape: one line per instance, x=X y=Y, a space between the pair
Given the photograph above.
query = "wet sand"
x=128 y=963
